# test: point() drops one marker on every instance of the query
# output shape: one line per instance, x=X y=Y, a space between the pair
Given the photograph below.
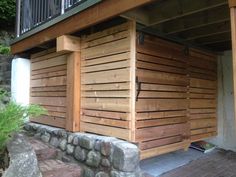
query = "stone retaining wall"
x=101 y=156
x=5 y=72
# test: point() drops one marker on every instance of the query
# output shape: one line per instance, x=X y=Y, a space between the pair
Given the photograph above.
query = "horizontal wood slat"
x=48 y=86
x=202 y=94
x=161 y=106
x=105 y=130
x=106 y=82
x=176 y=100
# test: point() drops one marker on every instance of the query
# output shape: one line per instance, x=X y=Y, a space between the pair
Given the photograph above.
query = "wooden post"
x=133 y=76
x=73 y=92
x=71 y=44
x=232 y=5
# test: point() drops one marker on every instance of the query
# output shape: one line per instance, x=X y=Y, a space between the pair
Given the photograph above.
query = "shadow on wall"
x=226 y=138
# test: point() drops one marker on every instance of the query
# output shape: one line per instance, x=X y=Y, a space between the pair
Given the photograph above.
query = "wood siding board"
x=105 y=130
x=48 y=86
x=176 y=90
x=106 y=78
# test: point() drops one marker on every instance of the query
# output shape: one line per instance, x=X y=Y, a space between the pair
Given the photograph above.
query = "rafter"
x=202 y=31
x=215 y=42
x=198 y=26
x=157 y=22
x=207 y=35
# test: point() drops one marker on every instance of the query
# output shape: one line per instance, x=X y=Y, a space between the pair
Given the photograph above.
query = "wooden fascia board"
x=98 y=13
x=232 y=3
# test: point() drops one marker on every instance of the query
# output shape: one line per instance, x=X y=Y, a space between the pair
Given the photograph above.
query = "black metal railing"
x=33 y=13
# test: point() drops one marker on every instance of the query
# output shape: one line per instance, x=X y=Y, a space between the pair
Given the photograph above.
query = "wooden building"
x=114 y=69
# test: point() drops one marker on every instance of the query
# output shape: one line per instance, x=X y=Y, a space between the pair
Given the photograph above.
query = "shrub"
x=5 y=50
x=13 y=116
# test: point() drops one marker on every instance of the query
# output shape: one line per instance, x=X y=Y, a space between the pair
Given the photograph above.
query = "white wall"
x=20 y=80
x=226 y=126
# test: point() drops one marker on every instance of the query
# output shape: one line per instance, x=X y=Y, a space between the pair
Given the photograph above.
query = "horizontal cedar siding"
x=161 y=106
x=176 y=96
x=48 y=86
x=106 y=82
x=202 y=94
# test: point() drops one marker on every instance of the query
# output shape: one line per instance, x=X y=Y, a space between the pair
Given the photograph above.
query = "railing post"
x=18 y=18
x=62 y=7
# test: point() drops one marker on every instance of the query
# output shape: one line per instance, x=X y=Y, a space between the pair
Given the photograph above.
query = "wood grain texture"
x=202 y=94
x=108 y=80
x=233 y=39
x=161 y=106
x=48 y=86
x=73 y=96
x=177 y=94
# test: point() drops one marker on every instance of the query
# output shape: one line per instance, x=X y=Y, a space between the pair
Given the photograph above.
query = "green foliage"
x=7 y=12
x=13 y=116
x=5 y=50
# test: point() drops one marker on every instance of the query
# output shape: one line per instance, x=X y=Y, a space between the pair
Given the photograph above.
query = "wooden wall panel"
x=161 y=105
x=176 y=95
x=106 y=82
x=48 y=86
x=203 y=94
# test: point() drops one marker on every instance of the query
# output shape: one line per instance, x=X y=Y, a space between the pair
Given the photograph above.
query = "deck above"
x=36 y=29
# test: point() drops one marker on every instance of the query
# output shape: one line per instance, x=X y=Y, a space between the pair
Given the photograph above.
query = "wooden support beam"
x=158 y=20
x=91 y=16
x=205 y=24
x=139 y=15
x=232 y=3
x=214 y=38
x=133 y=77
x=216 y=42
x=73 y=92
x=205 y=31
x=217 y=15
x=207 y=35
x=233 y=38
x=68 y=43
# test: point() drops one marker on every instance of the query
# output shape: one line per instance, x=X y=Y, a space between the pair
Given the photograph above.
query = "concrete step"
x=43 y=151
x=57 y=168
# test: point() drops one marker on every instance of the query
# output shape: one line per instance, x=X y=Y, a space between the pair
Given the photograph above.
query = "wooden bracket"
x=141 y=38
x=73 y=92
x=67 y=43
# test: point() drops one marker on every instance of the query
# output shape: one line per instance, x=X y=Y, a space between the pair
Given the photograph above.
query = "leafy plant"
x=13 y=116
x=5 y=50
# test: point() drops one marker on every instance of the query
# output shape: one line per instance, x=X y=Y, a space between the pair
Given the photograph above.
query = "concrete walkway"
x=166 y=162
x=219 y=163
